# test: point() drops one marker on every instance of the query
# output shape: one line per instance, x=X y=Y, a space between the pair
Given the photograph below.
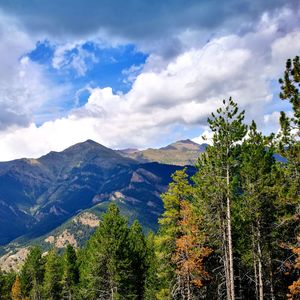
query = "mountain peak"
x=183 y=145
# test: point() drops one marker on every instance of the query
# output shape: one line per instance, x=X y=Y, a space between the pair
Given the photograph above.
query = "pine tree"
x=290 y=85
x=70 y=276
x=257 y=207
x=6 y=282
x=16 y=290
x=289 y=144
x=151 y=278
x=288 y=178
x=52 y=278
x=106 y=266
x=32 y=273
x=294 y=288
x=138 y=252
x=190 y=254
x=215 y=183
x=179 y=190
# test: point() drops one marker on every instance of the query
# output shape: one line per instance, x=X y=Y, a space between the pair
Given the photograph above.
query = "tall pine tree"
x=215 y=184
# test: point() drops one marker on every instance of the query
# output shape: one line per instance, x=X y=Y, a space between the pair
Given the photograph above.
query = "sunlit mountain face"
x=37 y=195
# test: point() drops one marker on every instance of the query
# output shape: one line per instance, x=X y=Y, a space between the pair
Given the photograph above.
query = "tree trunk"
x=225 y=256
x=230 y=250
x=260 y=275
x=254 y=263
x=272 y=295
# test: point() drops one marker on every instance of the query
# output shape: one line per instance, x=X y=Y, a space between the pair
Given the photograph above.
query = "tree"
x=32 y=274
x=52 y=278
x=290 y=85
x=179 y=190
x=215 y=183
x=151 y=279
x=70 y=276
x=6 y=282
x=16 y=290
x=138 y=252
x=257 y=207
x=190 y=253
x=294 y=288
x=106 y=266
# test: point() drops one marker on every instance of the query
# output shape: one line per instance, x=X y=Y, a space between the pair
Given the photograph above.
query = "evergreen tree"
x=16 y=290
x=294 y=288
x=151 y=279
x=178 y=191
x=138 y=252
x=70 y=276
x=106 y=267
x=190 y=254
x=6 y=282
x=257 y=208
x=32 y=274
x=216 y=184
x=52 y=278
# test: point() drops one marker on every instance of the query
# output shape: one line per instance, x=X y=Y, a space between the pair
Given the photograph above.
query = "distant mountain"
x=181 y=153
x=38 y=195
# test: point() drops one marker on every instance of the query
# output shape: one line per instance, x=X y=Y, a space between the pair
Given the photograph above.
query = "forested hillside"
x=230 y=232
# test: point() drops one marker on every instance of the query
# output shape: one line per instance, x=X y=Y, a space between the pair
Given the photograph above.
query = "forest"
x=229 y=232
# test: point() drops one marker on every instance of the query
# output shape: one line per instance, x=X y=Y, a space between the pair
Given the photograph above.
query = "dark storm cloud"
x=135 y=19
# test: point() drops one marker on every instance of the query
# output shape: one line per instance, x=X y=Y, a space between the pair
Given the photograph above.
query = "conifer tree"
x=52 y=278
x=151 y=279
x=70 y=276
x=190 y=254
x=106 y=267
x=215 y=183
x=32 y=273
x=6 y=282
x=257 y=207
x=179 y=190
x=16 y=290
x=179 y=244
x=294 y=288
x=289 y=144
x=138 y=252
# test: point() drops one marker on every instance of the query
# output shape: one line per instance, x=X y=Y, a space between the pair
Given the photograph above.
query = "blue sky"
x=102 y=67
x=137 y=74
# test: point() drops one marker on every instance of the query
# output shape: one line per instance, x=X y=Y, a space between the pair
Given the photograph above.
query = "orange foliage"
x=295 y=287
x=190 y=250
x=16 y=290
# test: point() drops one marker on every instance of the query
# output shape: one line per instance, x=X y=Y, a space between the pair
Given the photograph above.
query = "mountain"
x=38 y=195
x=181 y=153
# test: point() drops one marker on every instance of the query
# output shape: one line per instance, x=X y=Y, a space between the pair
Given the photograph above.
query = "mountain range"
x=37 y=196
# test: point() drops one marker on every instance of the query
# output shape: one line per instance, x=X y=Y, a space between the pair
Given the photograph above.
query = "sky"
x=137 y=73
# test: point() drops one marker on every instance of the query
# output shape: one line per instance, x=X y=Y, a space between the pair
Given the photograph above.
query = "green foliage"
x=290 y=85
x=138 y=253
x=108 y=265
x=32 y=274
x=52 y=278
x=70 y=277
x=6 y=282
x=242 y=203
x=178 y=191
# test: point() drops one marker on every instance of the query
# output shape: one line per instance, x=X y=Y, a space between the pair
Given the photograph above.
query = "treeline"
x=229 y=232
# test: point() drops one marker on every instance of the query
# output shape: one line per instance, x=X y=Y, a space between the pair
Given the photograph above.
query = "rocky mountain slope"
x=38 y=195
x=181 y=153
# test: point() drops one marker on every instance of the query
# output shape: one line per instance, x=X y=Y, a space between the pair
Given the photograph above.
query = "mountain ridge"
x=37 y=195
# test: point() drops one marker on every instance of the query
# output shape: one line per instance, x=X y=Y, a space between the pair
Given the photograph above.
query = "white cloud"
x=177 y=93
x=24 y=88
x=72 y=56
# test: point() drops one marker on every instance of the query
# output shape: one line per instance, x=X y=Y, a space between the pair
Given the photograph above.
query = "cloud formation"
x=138 y=21
x=169 y=96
